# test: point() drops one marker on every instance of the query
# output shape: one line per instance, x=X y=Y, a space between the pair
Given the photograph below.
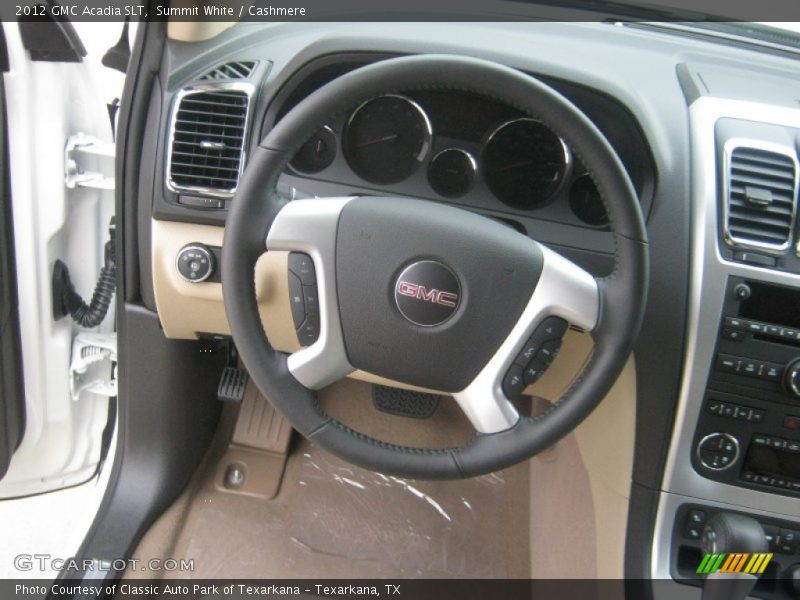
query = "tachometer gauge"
x=387 y=138
x=524 y=163
x=317 y=153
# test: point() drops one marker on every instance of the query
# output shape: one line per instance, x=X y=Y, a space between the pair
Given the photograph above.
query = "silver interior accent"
x=310 y=226
x=564 y=290
x=709 y=276
x=738 y=241
x=199 y=88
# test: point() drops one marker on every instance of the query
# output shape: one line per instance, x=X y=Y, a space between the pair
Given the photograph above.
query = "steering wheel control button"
x=301 y=265
x=514 y=383
x=718 y=451
x=304 y=298
x=309 y=331
x=195 y=263
x=427 y=293
x=534 y=371
x=296 y=300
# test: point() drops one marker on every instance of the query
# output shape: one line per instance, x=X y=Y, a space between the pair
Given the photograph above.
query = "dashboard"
x=708 y=133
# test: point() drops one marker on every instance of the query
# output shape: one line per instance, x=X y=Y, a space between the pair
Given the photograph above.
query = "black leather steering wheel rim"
x=622 y=294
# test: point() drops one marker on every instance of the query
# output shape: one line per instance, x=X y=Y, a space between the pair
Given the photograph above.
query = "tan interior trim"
x=186 y=309
x=196 y=31
x=605 y=441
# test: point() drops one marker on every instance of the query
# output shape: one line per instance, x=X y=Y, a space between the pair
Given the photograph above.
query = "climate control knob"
x=791 y=379
x=195 y=263
x=718 y=451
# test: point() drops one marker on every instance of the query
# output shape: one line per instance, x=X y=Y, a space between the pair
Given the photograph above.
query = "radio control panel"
x=748 y=433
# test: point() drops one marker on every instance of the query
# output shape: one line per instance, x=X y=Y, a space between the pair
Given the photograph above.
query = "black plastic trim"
x=49 y=40
x=12 y=389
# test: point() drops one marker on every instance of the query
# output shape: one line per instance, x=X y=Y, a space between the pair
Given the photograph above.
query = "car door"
x=58 y=388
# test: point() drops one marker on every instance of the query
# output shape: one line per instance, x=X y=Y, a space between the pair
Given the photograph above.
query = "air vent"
x=231 y=70
x=761 y=196
x=208 y=133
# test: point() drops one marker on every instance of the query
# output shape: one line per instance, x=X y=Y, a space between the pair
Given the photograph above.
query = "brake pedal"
x=232 y=385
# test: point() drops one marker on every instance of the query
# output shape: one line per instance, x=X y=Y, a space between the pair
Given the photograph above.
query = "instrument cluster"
x=460 y=144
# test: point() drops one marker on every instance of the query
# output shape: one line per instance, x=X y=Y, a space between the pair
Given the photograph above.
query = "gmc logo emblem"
x=420 y=292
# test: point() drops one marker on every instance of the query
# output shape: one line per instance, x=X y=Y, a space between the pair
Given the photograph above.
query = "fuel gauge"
x=451 y=172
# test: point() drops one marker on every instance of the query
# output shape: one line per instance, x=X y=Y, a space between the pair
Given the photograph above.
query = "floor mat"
x=333 y=520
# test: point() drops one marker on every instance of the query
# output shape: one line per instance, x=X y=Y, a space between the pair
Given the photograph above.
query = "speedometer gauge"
x=524 y=163
x=387 y=138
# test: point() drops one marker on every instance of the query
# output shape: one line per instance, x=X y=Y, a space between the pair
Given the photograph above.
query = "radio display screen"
x=762 y=459
x=772 y=304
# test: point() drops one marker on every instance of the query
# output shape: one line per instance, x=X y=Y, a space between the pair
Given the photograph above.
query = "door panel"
x=47 y=102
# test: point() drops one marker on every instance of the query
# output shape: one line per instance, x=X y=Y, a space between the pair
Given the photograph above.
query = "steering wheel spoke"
x=565 y=294
x=309 y=226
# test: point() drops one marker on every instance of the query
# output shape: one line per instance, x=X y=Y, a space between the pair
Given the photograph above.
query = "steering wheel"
x=432 y=295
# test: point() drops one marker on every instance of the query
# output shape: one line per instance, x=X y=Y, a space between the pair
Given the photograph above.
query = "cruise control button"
x=513 y=383
x=552 y=328
x=528 y=351
x=309 y=330
x=549 y=350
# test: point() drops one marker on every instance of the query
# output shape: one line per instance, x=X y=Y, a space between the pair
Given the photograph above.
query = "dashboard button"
x=755 y=327
x=735 y=335
x=734 y=323
x=727 y=363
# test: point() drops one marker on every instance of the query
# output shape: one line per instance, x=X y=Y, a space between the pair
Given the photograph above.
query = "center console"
x=735 y=444
x=748 y=433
